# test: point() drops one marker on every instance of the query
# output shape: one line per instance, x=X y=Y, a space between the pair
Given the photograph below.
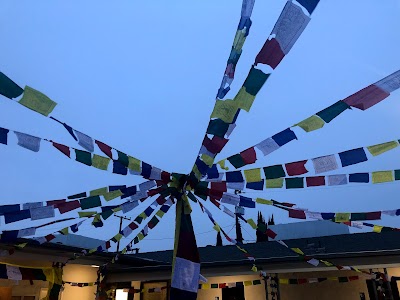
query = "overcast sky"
x=142 y=76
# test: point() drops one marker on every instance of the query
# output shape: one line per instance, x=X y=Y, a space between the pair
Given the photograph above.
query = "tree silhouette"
x=261 y=237
x=239 y=236
x=219 y=239
x=271 y=220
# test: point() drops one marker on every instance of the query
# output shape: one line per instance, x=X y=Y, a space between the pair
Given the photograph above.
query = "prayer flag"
x=324 y=164
x=119 y=168
x=62 y=148
x=290 y=26
x=252 y=175
x=100 y=162
x=382 y=176
x=284 y=137
x=352 y=157
x=3 y=133
x=296 y=168
x=267 y=146
x=9 y=88
x=254 y=81
x=83 y=157
x=382 y=148
x=274 y=183
x=340 y=179
x=390 y=83
x=249 y=156
x=315 y=181
x=37 y=101
x=90 y=202
x=312 y=123
x=294 y=183
x=39 y=213
x=85 y=141
x=366 y=97
x=244 y=99
x=225 y=110
x=259 y=186
x=297 y=214
x=273 y=172
x=331 y=112
x=104 y=148
x=236 y=161
x=359 y=177
x=270 y=54
x=310 y=5
x=28 y=141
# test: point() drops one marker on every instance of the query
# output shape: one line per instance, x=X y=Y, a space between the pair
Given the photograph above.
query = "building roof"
x=346 y=245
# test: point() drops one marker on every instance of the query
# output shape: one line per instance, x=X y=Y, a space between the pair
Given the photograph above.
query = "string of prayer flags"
x=186 y=266
x=320 y=164
x=150 y=290
x=206 y=286
x=374 y=93
x=288 y=28
x=236 y=51
x=270 y=145
x=296 y=281
x=80 y=284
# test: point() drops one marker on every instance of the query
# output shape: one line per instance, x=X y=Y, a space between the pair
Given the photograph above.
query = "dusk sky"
x=142 y=77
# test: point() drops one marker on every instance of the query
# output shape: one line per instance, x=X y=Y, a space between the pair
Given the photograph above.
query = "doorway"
x=235 y=293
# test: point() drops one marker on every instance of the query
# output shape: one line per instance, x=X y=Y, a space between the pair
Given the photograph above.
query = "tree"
x=219 y=239
x=271 y=220
x=261 y=236
x=239 y=236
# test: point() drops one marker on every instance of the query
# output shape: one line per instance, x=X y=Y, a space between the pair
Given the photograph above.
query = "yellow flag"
x=83 y=214
x=297 y=250
x=252 y=223
x=244 y=100
x=37 y=101
x=382 y=148
x=342 y=217
x=205 y=286
x=283 y=281
x=140 y=236
x=100 y=162
x=327 y=263
x=274 y=183
x=248 y=282
x=264 y=201
x=118 y=236
x=99 y=192
x=253 y=175
x=254 y=268
x=133 y=164
x=217 y=228
x=112 y=195
x=312 y=123
x=225 y=110
x=333 y=278
x=160 y=213
x=64 y=231
x=239 y=40
x=196 y=171
x=382 y=176
x=22 y=245
x=377 y=228
x=207 y=159
x=222 y=164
